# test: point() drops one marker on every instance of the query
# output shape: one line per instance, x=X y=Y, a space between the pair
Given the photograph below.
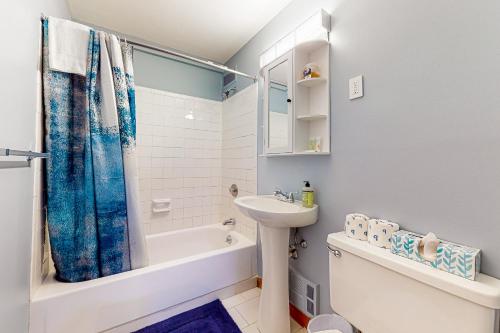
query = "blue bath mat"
x=208 y=318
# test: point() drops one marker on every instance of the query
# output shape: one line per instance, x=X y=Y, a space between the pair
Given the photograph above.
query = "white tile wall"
x=278 y=126
x=190 y=151
x=179 y=150
x=239 y=154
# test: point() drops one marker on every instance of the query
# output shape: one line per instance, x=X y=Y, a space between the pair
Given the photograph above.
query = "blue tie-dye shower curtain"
x=92 y=183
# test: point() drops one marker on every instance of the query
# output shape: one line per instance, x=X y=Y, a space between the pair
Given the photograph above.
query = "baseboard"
x=259 y=282
x=295 y=313
x=298 y=316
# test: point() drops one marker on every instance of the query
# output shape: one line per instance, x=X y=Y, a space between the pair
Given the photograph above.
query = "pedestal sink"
x=275 y=218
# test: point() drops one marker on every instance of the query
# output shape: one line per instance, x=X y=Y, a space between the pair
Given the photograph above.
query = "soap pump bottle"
x=307 y=195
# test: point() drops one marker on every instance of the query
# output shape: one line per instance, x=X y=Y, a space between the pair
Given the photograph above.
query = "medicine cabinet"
x=297 y=101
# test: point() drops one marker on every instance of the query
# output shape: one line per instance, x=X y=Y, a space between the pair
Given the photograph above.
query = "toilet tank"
x=379 y=292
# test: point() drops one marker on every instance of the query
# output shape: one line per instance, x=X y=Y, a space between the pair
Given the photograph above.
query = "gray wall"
x=154 y=71
x=20 y=23
x=422 y=147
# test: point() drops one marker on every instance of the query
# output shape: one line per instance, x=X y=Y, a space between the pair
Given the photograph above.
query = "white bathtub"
x=184 y=265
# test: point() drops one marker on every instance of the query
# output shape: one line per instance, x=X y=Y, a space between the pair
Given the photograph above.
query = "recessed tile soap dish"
x=161 y=205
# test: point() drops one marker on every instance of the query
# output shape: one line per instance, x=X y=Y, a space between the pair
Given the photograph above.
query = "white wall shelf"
x=312 y=117
x=312 y=82
x=299 y=153
x=312 y=97
x=311 y=45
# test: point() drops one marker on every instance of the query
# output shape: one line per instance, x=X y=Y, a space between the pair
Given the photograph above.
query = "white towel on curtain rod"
x=68 y=46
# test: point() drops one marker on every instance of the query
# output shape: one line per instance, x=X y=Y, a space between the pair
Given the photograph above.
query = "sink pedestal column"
x=274 y=312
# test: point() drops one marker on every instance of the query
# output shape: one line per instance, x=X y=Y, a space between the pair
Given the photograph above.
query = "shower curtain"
x=92 y=184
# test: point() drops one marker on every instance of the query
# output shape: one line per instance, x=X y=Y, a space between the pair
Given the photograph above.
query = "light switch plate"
x=356 y=87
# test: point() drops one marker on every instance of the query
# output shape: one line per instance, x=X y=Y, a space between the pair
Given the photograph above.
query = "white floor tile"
x=249 y=294
x=249 y=310
x=232 y=301
x=250 y=329
x=294 y=326
x=244 y=309
x=238 y=318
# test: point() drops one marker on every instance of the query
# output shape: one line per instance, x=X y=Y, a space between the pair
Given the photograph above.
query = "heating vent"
x=304 y=294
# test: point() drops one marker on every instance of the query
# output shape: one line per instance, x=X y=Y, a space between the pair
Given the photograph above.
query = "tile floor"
x=244 y=309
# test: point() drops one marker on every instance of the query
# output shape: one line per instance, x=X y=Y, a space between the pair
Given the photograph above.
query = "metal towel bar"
x=19 y=164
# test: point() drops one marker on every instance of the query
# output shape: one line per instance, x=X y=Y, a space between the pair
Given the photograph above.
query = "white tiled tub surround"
x=239 y=154
x=190 y=150
x=179 y=149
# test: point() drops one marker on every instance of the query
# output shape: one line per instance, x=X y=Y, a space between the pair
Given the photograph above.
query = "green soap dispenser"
x=307 y=195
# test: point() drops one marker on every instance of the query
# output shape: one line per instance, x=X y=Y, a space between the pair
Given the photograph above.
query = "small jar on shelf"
x=311 y=70
x=314 y=144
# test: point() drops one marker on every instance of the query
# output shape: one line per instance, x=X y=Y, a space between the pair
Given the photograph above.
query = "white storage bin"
x=328 y=323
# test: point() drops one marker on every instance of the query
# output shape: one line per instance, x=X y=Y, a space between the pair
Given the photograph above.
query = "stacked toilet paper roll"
x=380 y=232
x=356 y=226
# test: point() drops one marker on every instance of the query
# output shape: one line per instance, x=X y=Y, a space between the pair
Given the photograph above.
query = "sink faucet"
x=231 y=221
x=283 y=196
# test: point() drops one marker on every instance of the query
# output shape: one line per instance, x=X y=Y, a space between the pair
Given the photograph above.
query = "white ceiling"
x=211 y=29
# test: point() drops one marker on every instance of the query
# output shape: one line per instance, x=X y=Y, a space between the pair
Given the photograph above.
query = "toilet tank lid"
x=484 y=291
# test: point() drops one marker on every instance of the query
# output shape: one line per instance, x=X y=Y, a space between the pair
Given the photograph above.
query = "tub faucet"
x=231 y=221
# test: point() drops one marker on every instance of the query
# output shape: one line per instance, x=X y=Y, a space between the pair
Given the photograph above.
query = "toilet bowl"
x=380 y=292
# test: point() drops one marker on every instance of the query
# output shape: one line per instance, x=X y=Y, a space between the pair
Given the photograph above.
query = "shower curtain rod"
x=188 y=57
x=184 y=56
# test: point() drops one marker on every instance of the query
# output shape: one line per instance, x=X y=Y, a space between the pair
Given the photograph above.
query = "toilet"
x=379 y=292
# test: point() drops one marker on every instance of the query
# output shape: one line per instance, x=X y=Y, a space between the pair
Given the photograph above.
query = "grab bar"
x=19 y=164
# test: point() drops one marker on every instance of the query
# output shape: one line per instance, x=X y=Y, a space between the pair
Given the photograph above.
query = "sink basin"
x=275 y=220
x=271 y=212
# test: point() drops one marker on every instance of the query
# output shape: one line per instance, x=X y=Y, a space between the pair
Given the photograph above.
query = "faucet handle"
x=291 y=196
